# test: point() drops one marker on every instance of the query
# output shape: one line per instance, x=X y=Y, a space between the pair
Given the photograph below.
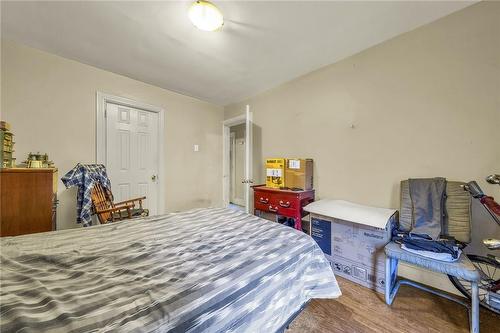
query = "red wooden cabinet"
x=282 y=202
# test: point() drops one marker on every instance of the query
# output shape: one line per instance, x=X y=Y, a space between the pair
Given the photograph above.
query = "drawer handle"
x=284 y=204
x=264 y=201
x=271 y=209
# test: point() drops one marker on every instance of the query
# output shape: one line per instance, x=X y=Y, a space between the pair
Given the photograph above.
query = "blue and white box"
x=353 y=237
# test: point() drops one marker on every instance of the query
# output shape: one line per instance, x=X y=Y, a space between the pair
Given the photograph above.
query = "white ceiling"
x=261 y=45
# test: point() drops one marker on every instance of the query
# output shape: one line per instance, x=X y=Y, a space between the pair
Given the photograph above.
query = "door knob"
x=153 y=177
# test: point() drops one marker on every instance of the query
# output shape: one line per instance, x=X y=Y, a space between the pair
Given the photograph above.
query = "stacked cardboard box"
x=299 y=173
x=275 y=172
x=291 y=173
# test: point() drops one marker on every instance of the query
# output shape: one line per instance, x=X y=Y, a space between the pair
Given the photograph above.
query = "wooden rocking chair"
x=108 y=211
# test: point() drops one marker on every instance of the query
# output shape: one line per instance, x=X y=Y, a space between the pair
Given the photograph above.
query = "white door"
x=248 y=158
x=132 y=154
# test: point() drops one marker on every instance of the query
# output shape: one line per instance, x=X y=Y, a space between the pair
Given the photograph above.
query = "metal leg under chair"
x=391 y=281
x=392 y=284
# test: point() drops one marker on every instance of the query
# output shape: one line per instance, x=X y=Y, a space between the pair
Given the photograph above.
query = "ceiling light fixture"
x=205 y=16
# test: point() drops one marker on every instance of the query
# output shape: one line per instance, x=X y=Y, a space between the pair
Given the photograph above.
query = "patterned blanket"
x=204 y=270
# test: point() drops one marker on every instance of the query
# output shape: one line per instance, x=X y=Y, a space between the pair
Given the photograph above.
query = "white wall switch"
x=196 y=148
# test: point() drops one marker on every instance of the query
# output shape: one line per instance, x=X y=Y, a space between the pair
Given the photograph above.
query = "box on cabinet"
x=299 y=173
x=275 y=172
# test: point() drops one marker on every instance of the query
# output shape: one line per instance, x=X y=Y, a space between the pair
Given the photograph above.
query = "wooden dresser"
x=28 y=201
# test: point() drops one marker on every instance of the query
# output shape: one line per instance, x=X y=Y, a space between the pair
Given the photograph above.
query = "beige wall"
x=51 y=104
x=426 y=103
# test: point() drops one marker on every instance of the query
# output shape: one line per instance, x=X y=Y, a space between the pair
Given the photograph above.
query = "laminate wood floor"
x=360 y=309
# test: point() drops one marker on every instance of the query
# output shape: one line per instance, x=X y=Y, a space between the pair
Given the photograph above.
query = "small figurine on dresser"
x=38 y=161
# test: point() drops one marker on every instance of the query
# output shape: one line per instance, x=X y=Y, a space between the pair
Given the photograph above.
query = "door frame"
x=233 y=180
x=101 y=100
x=226 y=157
x=232 y=175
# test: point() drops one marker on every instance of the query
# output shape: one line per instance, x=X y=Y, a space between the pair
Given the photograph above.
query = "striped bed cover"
x=203 y=270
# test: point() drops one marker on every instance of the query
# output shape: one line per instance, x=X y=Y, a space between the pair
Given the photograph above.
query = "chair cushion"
x=462 y=268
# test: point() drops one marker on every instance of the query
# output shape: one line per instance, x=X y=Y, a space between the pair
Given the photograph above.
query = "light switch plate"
x=196 y=148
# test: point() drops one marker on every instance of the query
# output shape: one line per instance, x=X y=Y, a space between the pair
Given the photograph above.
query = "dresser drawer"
x=265 y=202
x=276 y=203
x=263 y=198
x=284 y=202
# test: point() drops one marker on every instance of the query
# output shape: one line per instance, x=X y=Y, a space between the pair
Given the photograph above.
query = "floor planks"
x=362 y=310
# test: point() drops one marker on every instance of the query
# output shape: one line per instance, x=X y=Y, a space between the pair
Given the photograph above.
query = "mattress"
x=203 y=270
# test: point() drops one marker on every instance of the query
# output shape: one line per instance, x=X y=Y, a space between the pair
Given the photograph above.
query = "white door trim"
x=101 y=100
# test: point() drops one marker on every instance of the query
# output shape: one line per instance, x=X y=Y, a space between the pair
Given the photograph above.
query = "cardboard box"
x=275 y=172
x=299 y=173
x=355 y=250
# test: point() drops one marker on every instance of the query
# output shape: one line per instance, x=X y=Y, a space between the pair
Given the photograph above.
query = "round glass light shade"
x=205 y=16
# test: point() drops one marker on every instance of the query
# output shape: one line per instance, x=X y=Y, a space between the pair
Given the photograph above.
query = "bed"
x=203 y=270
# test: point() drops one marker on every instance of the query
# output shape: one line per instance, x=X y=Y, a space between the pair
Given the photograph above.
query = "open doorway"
x=237 y=161
x=237 y=167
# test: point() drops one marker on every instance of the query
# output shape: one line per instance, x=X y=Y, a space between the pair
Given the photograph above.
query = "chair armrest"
x=114 y=209
x=128 y=201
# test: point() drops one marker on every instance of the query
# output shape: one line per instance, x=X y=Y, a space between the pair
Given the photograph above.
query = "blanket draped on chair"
x=427 y=196
x=84 y=176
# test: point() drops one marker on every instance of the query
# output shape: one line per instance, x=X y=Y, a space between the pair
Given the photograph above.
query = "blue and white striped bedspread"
x=204 y=270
